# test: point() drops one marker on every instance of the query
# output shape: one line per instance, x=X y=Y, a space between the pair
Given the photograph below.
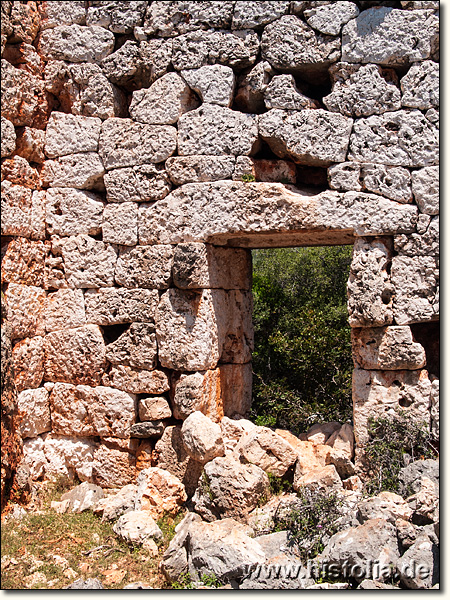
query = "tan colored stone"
x=145 y=267
x=8 y=138
x=154 y=408
x=61 y=13
x=28 y=363
x=325 y=479
x=145 y=183
x=213 y=83
x=319 y=433
x=17 y=170
x=385 y=505
x=387 y=348
x=159 y=493
x=202 y=438
x=268 y=450
x=145 y=456
x=137 y=381
x=69 y=134
x=23 y=211
x=311 y=457
x=34 y=412
x=64 y=309
x=111 y=306
x=73 y=212
x=24 y=262
x=342 y=440
x=113 y=465
x=136 y=347
x=23 y=97
x=25 y=310
x=83 y=171
x=234 y=429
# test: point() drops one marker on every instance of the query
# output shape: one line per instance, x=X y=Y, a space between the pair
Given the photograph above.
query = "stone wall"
x=146 y=148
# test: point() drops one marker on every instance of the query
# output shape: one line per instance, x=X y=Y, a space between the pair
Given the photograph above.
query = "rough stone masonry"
x=146 y=148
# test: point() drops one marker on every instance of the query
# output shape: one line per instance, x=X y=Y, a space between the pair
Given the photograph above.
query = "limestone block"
x=236 y=329
x=136 y=347
x=250 y=15
x=24 y=261
x=192 y=169
x=163 y=102
x=154 y=408
x=124 y=143
x=23 y=211
x=114 y=466
x=81 y=171
x=23 y=98
x=282 y=92
x=233 y=430
x=30 y=144
x=120 y=224
x=415 y=283
x=309 y=137
x=17 y=170
x=362 y=90
x=147 y=429
x=345 y=176
x=175 y=18
x=325 y=479
x=72 y=212
x=8 y=138
x=137 y=381
x=34 y=457
x=88 y=263
x=389 y=36
x=118 y=17
x=268 y=450
x=64 y=309
x=425 y=244
x=75 y=355
x=385 y=505
x=290 y=45
x=369 y=288
x=28 y=363
x=202 y=438
x=33 y=412
x=25 y=310
x=425 y=187
x=251 y=86
x=198 y=265
x=136 y=527
x=434 y=411
x=68 y=457
x=405 y=139
x=145 y=267
x=236 y=49
x=54 y=14
x=146 y=183
x=213 y=83
x=267 y=170
x=84 y=411
x=159 y=493
x=392 y=182
x=69 y=134
x=319 y=433
x=111 y=306
x=24 y=19
x=420 y=86
x=331 y=17
x=342 y=440
x=75 y=43
x=216 y=130
x=387 y=348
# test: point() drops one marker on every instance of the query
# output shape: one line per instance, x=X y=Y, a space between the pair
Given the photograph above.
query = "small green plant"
x=184 y=582
x=278 y=485
x=167 y=524
x=248 y=177
x=391 y=438
x=211 y=580
x=206 y=485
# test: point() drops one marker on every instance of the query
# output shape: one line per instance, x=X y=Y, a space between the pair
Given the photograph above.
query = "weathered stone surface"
x=282 y=92
x=202 y=438
x=233 y=430
x=213 y=83
x=34 y=457
x=137 y=527
x=387 y=348
x=112 y=507
x=17 y=170
x=114 y=462
x=369 y=287
x=24 y=262
x=68 y=457
x=82 y=171
x=216 y=130
x=146 y=183
x=204 y=266
x=120 y=224
x=54 y=14
x=25 y=304
x=145 y=267
x=23 y=211
x=119 y=17
x=137 y=381
x=23 y=98
x=172 y=457
x=434 y=409
x=409 y=5
x=147 y=429
x=111 y=306
x=392 y=182
x=88 y=263
x=90 y=583
x=330 y=18
x=257 y=14
x=426 y=554
x=291 y=45
x=425 y=504
x=268 y=450
x=75 y=43
x=159 y=493
x=155 y=408
x=420 y=86
x=175 y=18
x=24 y=56
x=410 y=476
x=30 y=144
x=399 y=138
x=236 y=49
x=75 y=355
x=28 y=363
x=380 y=393
x=309 y=137
x=34 y=412
x=342 y=440
x=80 y=498
x=385 y=505
x=362 y=90
x=415 y=281
x=229 y=489
x=24 y=20
x=193 y=169
x=136 y=347
x=69 y=134
x=124 y=143
x=345 y=177
x=64 y=309
x=325 y=479
x=425 y=187
x=320 y=433
x=251 y=86
x=267 y=170
x=85 y=411
x=163 y=102
x=73 y=212
x=8 y=138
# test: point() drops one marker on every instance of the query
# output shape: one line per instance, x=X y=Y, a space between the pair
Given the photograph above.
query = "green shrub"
x=248 y=178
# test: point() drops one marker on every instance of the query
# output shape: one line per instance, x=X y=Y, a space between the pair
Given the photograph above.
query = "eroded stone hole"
x=316 y=177
x=428 y=334
x=112 y=332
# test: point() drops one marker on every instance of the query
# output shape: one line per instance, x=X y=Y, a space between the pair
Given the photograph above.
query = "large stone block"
x=17 y=170
x=112 y=306
x=137 y=381
x=25 y=310
x=23 y=211
x=330 y=17
x=120 y=224
x=64 y=309
x=124 y=143
x=75 y=356
x=54 y=14
x=23 y=97
x=83 y=171
x=68 y=457
x=213 y=83
x=268 y=450
x=145 y=267
x=118 y=17
x=425 y=187
x=387 y=348
x=392 y=182
x=69 y=134
x=24 y=262
x=257 y=14
x=33 y=412
x=8 y=138
x=309 y=137
x=114 y=463
x=415 y=282
x=88 y=263
x=420 y=86
x=282 y=92
x=154 y=409
x=24 y=19
x=75 y=43
x=159 y=493
x=423 y=244
x=217 y=130
x=146 y=183
x=28 y=363
x=163 y=18
x=202 y=438
x=136 y=347
x=73 y=212
x=84 y=411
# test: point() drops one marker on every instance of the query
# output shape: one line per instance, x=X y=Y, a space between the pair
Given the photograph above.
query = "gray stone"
x=73 y=212
x=389 y=36
x=81 y=498
x=331 y=17
x=425 y=187
x=392 y=182
x=136 y=347
x=202 y=438
x=253 y=15
x=83 y=171
x=385 y=505
x=371 y=584
x=8 y=138
x=84 y=584
x=415 y=282
x=213 y=83
x=112 y=507
x=136 y=527
x=200 y=168
x=411 y=475
x=75 y=43
x=69 y=134
x=388 y=348
x=88 y=263
x=62 y=13
x=147 y=429
x=420 y=86
x=425 y=244
x=137 y=381
x=424 y=554
x=145 y=183
x=120 y=224
x=345 y=177
x=111 y=306
x=251 y=86
x=145 y=267
x=175 y=18
x=282 y=92
x=119 y=17
x=434 y=410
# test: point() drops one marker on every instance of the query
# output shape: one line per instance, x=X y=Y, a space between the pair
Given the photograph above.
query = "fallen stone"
x=28 y=363
x=426 y=554
x=159 y=493
x=385 y=505
x=82 y=171
x=75 y=43
x=389 y=348
x=8 y=138
x=112 y=306
x=120 y=224
x=23 y=211
x=267 y=450
x=25 y=310
x=425 y=502
x=392 y=182
x=84 y=584
x=213 y=83
x=257 y=14
x=138 y=585
x=23 y=97
x=342 y=440
x=325 y=479
x=425 y=187
x=145 y=267
x=282 y=92
x=34 y=412
x=88 y=263
x=146 y=183
x=136 y=527
x=137 y=381
x=112 y=507
x=68 y=457
x=331 y=17
x=202 y=438
x=193 y=169
x=163 y=18
x=73 y=212
x=407 y=533
x=69 y=134
x=136 y=347
x=373 y=584
x=415 y=281
x=233 y=430
x=321 y=432
x=420 y=86
x=79 y=499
